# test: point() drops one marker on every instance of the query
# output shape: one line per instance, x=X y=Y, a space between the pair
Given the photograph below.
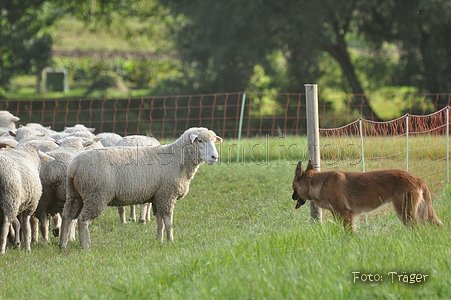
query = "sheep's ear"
x=193 y=137
x=91 y=129
x=15 y=119
x=45 y=157
x=97 y=139
x=12 y=133
x=218 y=139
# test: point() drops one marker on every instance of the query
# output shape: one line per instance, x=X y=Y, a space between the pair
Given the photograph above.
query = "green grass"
x=237 y=236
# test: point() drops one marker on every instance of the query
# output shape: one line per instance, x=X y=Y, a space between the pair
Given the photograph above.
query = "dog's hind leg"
x=406 y=207
x=425 y=209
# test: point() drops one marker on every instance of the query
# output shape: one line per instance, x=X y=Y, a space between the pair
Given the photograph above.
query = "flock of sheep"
x=70 y=177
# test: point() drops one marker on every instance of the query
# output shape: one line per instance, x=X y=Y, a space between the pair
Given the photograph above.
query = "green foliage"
x=25 y=46
x=157 y=77
x=346 y=47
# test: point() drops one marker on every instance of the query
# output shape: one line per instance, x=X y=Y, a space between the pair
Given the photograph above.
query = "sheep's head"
x=206 y=140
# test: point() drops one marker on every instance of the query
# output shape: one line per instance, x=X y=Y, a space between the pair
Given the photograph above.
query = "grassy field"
x=238 y=236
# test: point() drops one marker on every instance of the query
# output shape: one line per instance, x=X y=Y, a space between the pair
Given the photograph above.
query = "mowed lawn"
x=238 y=236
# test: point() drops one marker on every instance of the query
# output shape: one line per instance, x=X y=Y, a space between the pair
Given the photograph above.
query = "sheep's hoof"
x=56 y=232
x=141 y=220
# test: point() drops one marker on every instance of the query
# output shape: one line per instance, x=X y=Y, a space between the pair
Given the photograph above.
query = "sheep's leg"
x=15 y=230
x=121 y=211
x=43 y=225
x=34 y=222
x=83 y=233
x=160 y=228
x=72 y=230
x=144 y=213
x=92 y=208
x=149 y=208
x=168 y=225
x=70 y=212
x=132 y=213
x=65 y=228
x=56 y=225
x=5 y=230
x=27 y=231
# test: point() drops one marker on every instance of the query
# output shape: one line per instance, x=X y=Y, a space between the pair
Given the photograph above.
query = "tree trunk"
x=339 y=52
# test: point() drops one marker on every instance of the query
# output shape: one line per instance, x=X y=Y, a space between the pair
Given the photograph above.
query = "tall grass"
x=237 y=236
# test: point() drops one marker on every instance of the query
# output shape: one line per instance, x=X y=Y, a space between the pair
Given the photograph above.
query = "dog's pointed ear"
x=309 y=165
x=298 y=169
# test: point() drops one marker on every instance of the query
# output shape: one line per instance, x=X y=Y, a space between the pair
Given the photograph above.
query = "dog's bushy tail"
x=426 y=211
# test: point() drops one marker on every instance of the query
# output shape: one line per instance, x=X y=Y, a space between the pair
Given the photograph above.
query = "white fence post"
x=240 y=127
x=447 y=144
x=362 y=150
x=311 y=98
x=407 y=142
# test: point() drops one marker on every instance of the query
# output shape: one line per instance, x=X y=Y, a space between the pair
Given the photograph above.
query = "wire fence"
x=166 y=117
x=415 y=143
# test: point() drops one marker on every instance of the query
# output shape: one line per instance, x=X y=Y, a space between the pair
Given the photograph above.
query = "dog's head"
x=300 y=188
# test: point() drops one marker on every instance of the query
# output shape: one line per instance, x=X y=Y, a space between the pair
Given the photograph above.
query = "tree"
x=225 y=40
x=25 y=47
x=421 y=29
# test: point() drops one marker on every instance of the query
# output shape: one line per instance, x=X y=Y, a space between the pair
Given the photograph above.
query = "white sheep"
x=127 y=175
x=136 y=141
x=108 y=139
x=7 y=121
x=42 y=129
x=20 y=189
x=80 y=130
x=74 y=142
x=8 y=141
x=24 y=133
x=54 y=180
x=78 y=127
x=42 y=144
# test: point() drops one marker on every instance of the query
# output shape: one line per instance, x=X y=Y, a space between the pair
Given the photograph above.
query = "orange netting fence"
x=168 y=116
x=416 y=143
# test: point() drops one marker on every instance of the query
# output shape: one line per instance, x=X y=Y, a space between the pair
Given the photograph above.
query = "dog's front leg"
x=347 y=221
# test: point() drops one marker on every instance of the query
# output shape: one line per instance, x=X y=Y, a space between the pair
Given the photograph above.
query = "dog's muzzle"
x=298 y=198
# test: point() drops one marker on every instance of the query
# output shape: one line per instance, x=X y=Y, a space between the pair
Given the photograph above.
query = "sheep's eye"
x=200 y=141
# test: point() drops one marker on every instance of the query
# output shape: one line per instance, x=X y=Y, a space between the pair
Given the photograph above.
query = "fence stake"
x=447 y=144
x=311 y=99
x=407 y=142
x=362 y=151
x=362 y=155
x=240 y=126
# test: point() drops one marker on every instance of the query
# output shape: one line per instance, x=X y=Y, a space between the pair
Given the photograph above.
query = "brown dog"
x=347 y=194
